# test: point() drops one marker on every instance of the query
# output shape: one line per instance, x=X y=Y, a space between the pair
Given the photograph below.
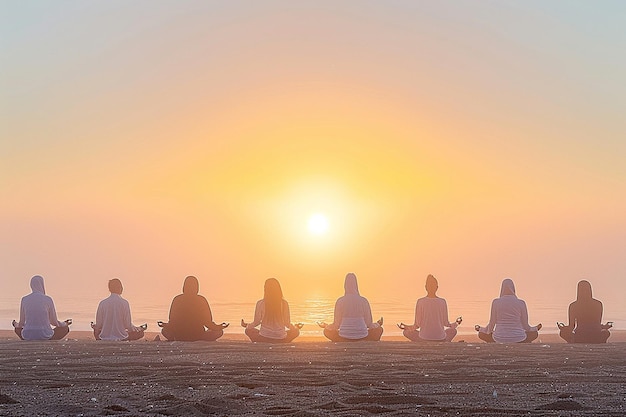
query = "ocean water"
x=309 y=312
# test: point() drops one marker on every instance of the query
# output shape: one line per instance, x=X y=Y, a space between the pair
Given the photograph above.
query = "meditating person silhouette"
x=585 y=319
x=353 y=317
x=431 y=318
x=113 y=320
x=190 y=316
x=38 y=317
x=509 y=319
x=273 y=316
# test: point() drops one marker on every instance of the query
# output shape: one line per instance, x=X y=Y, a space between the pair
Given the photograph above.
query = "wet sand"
x=82 y=377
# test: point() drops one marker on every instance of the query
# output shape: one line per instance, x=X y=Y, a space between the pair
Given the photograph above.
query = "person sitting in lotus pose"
x=272 y=315
x=509 y=319
x=38 y=317
x=431 y=318
x=585 y=319
x=113 y=320
x=190 y=316
x=353 y=317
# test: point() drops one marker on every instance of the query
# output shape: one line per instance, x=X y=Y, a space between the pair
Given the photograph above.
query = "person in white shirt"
x=272 y=314
x=38 y=317
x=431 y=317
x=113 y=321
x=509 y=319
x=352 y=319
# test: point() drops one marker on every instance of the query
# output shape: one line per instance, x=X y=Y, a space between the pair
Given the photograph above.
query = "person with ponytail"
x=585 y=319
x=272 y=315
x=431 y=318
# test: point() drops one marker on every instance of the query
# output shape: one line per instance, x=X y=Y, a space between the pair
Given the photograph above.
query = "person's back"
x=354 y=314
x=585 y=318
x=273 y=327
x=38 y=315
x=509 y=312
x=508 y=322
x=431 y=317
x=37 y=311
x=352 y=319
x=190 y=317
x=113 y=317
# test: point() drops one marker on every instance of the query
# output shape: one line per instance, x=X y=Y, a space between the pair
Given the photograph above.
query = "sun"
x=318 y=224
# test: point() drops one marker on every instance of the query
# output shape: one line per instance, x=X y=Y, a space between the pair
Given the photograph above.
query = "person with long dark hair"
x=509 y=319
x=272 y=315
x=352 y=319
x=431 y=318
x=190 y=316
x=38 y=316
x=585 y=318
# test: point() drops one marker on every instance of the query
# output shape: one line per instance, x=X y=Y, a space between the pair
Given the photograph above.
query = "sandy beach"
x=82 y=377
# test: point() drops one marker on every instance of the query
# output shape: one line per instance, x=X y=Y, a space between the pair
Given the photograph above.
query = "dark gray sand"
x=235 y=377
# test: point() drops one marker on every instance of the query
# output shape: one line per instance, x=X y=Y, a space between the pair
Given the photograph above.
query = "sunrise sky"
x=151 y=140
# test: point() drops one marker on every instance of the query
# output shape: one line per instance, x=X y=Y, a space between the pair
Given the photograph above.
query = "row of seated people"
x=190 y=317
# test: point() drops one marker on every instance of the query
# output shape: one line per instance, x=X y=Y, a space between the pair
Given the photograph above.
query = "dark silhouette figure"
x=585 y=319
x=509 y=319
x=352 y=319
x=190 y=316
x=272 y=315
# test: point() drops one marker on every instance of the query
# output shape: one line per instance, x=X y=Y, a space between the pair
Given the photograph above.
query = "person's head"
x=350 y=285
x=508 y=288
x=191 y=285
x=36 y=284
x=584 y=291
x=272 y=290
x=431 y=285
x=273 y=297
x=115 y=286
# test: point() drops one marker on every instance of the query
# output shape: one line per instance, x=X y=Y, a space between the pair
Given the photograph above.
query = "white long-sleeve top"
x=509 y=320
x=271 y=328
x=353 y=317
x=37 y=314
x=113 y=317
x=431 y=316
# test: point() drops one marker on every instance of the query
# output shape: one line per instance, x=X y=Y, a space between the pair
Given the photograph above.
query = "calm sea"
x=82 y=311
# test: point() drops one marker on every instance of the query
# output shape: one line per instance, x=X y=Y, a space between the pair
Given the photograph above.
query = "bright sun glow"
x=318 y=224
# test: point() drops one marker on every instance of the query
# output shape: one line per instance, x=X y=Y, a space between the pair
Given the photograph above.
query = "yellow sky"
x=198 y=139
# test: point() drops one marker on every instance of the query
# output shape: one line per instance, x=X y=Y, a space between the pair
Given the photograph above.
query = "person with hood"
x=272 y=315
x=38 y=317
x=190 y=316
x=113 y=321
x=431 y=318
x=585 y=319
x=509 y=319
x=353 y=317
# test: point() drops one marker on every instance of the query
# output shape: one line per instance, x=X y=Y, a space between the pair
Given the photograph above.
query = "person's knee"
x=450 y=334
x=530 y=336
x=485 y=337
x=167 y=333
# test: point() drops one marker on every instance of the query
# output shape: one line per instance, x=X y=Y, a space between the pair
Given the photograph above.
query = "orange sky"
x=149 y=143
